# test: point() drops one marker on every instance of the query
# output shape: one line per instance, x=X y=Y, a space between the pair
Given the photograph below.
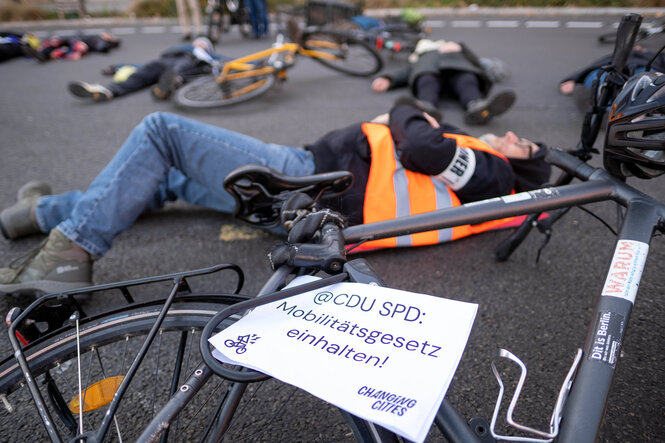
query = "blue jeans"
x=258 y=15
x=166 y=157
x=591 y=76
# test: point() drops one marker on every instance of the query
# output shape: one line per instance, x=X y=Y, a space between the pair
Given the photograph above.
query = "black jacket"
x=636 y=59
x=433 y=62
x=421 y=149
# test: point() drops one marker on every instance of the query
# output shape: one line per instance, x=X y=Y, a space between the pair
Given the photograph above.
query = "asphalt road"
x=539 y=311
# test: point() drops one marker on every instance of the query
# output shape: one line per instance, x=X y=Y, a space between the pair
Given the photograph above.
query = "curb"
x=443 y=12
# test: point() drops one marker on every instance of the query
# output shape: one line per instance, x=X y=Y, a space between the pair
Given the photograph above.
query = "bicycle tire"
x=54 y=358
x=205 y=92
x=354 y=56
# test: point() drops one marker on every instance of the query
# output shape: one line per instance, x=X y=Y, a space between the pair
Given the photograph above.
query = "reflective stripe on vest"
x=394 y=191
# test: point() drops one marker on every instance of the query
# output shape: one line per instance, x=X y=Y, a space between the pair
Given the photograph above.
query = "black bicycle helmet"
x=635 y=140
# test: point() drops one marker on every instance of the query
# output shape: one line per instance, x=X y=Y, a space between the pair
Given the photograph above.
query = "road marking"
x=584 y=25
x=434 y=23
x=123 y=31
x=542 y=24
x=502 y=24
x=470 y=24
x=154 y=30
x=467 y=24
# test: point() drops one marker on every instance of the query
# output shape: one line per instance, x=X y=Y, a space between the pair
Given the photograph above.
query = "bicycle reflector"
x=635 y=139
x=96 y=395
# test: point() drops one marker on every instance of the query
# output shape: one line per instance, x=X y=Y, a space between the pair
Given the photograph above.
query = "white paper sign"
x=385 y=355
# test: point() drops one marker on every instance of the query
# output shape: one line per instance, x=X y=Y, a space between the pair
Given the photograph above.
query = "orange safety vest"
x=393 y=191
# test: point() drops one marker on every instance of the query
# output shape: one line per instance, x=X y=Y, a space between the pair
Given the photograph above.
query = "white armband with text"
x=460 y=170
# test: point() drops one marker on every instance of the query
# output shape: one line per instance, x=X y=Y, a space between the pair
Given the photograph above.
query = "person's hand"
x=380 y=84
x=566 y=88
x=384 y=119
x=448 y=47
x=431 y=120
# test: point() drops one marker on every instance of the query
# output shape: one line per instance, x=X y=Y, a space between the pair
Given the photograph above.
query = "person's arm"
x=421 y=146
x=395 y=79
x=471 y=56
x=473 y=175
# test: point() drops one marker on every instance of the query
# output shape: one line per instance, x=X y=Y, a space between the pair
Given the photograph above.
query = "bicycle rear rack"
x=558 y=408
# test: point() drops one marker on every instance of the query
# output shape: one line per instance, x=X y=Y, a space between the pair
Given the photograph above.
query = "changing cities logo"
x=386 y=401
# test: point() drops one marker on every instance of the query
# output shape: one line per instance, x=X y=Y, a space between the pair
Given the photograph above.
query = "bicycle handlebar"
x=569 y=163
x=626 y=34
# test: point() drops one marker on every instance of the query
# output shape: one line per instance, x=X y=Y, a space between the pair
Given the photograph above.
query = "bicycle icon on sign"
x=241 y=344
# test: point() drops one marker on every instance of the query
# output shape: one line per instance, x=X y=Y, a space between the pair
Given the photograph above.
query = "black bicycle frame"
x=583 y=411
x=585 y=406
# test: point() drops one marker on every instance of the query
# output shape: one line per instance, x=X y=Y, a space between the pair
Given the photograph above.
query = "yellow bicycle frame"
x=243 y=67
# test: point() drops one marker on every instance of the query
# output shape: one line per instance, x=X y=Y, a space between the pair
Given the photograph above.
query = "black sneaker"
x=481 y=111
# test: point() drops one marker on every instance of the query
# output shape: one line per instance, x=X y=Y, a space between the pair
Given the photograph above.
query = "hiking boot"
x=55 y=266
x=168 y=82
x=88 y=90
x=20 y=219
x=481 y=111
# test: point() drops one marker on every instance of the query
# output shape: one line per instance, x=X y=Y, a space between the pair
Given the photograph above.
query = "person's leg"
x=144 y=76
x=195 y=7
x=253 y=8
x=10 y=50
x=262 y=18
x=464 y=86
x=183 y=19
x=51 y=210
x=165 y=157
x=135 y=178
x=479 y=110
x=428 y=88
x=174 y=74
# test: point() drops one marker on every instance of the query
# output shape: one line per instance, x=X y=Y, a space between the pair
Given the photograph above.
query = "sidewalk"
x=647 y=13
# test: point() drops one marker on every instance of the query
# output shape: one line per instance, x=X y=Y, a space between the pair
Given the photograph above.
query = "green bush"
x=154 y=8
x=10 y=12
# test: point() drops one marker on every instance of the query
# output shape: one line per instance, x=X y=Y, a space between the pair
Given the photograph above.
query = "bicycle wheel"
x=346 y=53
x=108 y=344
x=205 y=92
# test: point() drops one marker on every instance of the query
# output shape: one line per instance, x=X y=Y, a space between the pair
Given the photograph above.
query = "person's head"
x=525 y=157
x=203 y=43
x=511 y=145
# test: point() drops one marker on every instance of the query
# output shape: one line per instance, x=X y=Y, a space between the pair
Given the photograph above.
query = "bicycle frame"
x=585 y=406
x=583 y=398
x=243 y=67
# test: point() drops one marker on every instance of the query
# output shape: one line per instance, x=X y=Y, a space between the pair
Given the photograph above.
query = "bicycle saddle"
x=259 y=191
